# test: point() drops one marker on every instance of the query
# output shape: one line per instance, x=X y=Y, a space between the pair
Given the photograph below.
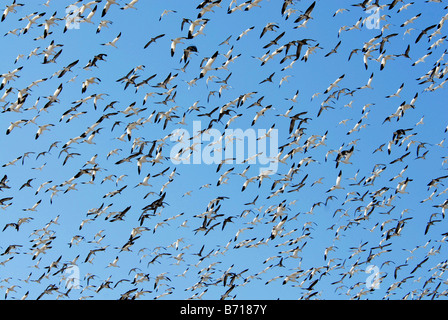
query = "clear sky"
x=386 y=223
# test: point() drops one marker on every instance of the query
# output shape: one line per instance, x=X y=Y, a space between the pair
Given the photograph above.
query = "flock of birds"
x=361 y=179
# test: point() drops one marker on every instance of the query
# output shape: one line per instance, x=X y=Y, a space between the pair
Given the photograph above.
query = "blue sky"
x=265 y=263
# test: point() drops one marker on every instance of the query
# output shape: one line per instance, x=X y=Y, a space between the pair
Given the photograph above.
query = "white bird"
x=11 y=9
x=338 y=183
x=33 y=208
x=9 y=76
x=130 y=5
x=32 y=18
x=113 y=42
x=89 y=17
x=396 y=94
x=103 y=24
x=384 y=59
x=113 y=263
x=89 y=81
x=341 y=10
x=174 y=43
x=369 y=83
x=48 y=23
x=165 y=12
x=15 y=124
x=42 y=129
x=193 y=25
x=422 y=59
x=208 y=65
x=334 y=84
x=401 y=187
x=11 y=289
x=107 y=6
x=244 y=33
